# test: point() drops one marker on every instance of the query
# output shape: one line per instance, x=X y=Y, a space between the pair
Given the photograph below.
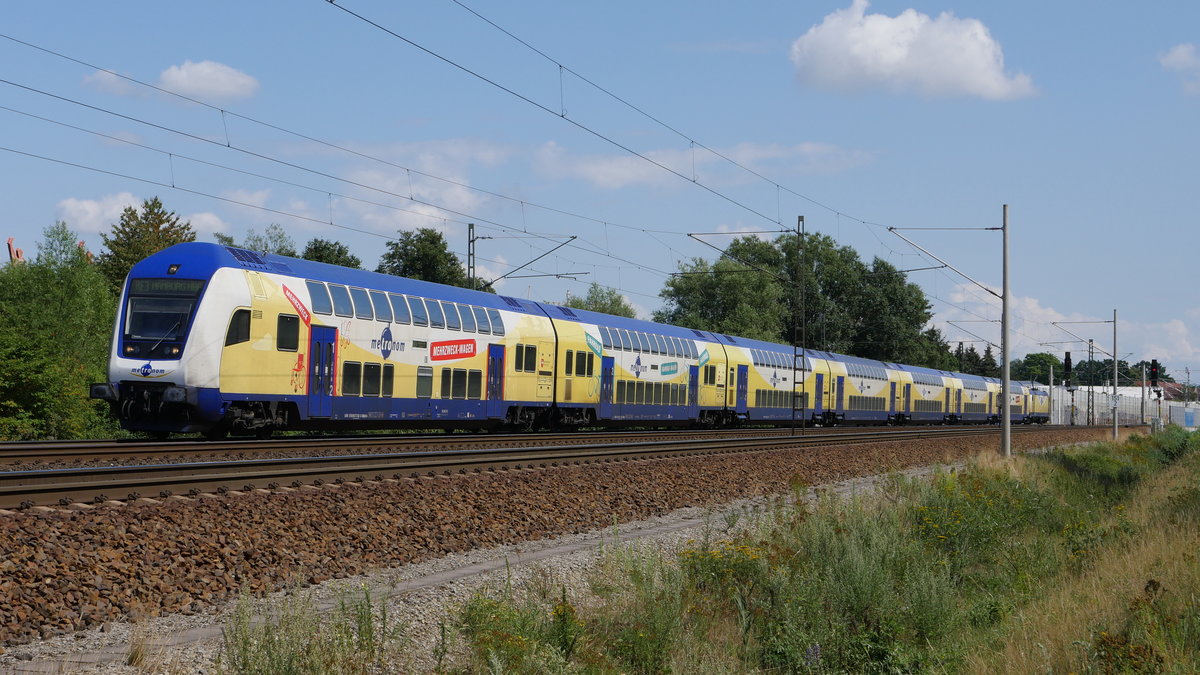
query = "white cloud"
x=255 y=198
x=1183 y=58
x=1169 y=341
x=107 y=81
x=207 y=222
x=208 y=79
x=944 y=56
x=618 y=171
x=94 y=215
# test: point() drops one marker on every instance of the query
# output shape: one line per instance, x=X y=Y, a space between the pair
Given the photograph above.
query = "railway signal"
x=1067 y=369
x=1154 y=372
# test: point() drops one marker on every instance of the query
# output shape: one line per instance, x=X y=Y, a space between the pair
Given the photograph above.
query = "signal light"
x=1154 y=372
x=1067 y=369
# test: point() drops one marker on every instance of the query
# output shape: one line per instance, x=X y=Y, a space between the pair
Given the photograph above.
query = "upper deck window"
x=341 y=300
x=362 y=304
x=319 y=297
x=383 y=311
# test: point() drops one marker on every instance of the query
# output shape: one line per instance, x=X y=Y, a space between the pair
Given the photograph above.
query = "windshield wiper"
x=164 y=337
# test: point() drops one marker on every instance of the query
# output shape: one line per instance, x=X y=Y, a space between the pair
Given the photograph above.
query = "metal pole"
x=1051 y=394
x=471 y=256
x=1116 y=434
x=1143 y=418
x=1006 y=388
x=797 y=321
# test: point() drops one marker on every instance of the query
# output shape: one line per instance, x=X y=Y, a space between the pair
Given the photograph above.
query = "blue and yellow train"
x=216 y=339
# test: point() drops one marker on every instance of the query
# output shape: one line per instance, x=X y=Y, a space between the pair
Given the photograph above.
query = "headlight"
x=174 y=394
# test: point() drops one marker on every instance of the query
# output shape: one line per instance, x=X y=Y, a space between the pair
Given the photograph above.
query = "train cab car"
x=215 y=339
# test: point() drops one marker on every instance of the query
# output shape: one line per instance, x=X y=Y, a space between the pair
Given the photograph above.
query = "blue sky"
x=1081 y=116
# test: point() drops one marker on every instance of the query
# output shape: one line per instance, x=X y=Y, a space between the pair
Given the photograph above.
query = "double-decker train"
x=216 y=339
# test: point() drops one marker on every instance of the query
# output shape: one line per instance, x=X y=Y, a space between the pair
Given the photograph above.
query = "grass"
x=295 y=638
x=1079 y=560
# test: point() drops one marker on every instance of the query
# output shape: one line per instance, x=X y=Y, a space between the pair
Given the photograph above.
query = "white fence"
x=1068 y=407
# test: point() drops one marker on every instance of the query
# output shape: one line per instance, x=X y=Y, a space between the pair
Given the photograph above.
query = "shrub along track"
x=67 y=569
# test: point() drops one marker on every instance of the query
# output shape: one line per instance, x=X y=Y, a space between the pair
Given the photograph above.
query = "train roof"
x=200 y=260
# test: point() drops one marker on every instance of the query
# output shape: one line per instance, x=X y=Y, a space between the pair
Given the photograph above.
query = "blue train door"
x=820 y=390
x=321 y=370
x=743 y=376
x=606 y=387
x=495 y=382
x=694 y=392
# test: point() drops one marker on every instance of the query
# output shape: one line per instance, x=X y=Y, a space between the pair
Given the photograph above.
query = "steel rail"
x=97 y=484
x=42 y=452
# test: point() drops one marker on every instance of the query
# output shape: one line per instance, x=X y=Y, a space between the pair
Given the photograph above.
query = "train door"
x=958 y=402
x=820 y=390
x=907 y=399
x=743 y=385
x=841 y=390
x=694 y=392
x=892 y=398
x=495 y=382
x=321 y=370
x=606 y=387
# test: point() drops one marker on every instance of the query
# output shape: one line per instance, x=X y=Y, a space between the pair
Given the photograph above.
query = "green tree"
x=332 y=252
x=56 y=319
x=1036 y=367
x=274 y=240
x=723 y=297
x=822 y=290
x=423 y=254
x=601 y=299
x=138 y=235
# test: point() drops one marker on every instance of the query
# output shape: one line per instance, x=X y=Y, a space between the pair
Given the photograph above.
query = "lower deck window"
x=424 y=381
x=372 y=373
x=389 y=378
x=351 y=378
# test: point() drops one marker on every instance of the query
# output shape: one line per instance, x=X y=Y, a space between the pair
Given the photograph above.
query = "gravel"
x=80 y=586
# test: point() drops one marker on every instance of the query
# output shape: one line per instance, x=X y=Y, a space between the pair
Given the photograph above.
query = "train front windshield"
x=157 y=316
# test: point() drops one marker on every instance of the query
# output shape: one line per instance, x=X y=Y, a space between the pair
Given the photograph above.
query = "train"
x=217 y=340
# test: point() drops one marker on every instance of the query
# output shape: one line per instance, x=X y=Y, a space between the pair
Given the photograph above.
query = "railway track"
x=98 y=484
x=34 y=454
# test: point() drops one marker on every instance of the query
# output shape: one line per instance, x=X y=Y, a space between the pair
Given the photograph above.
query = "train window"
x=567 y=365
x=497 y=324
x=362 y=304
x=371 y=379
x=620 y=391
x=424 y=381
x=389 y=379
x=591 y=365
x=319 y=297
x=239 y=328
x=640 y=392
x=644 y=339
x=447 y=378
x=399 y=308
x=481 y=320
x=530 y=358
x=581 y=362
x=605 y=337
x=663 y=346
x=655 y=345
x=468 y=319
x=475 y=384
x=351 y=378
x=287 y=333
x=383 y=311
x=419 y=317
x=519 y=358
x=673 y=346
x=620 y=339
x=451 y=312
x=436 y=320
x=459 y=387
x=341 y=300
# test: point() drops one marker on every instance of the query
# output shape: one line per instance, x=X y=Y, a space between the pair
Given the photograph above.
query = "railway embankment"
x=65 y=570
